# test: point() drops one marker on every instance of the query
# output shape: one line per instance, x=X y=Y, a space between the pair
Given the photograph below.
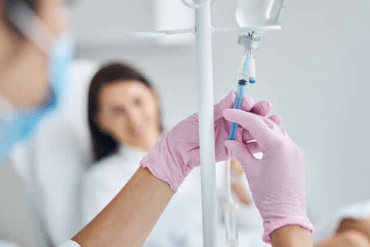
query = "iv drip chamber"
x=257 y=13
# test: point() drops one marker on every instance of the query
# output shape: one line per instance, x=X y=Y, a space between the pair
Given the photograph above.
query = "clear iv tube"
x=228 y=178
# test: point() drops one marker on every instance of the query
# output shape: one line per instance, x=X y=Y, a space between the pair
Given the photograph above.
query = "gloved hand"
x=277 y=180
x=177 y=153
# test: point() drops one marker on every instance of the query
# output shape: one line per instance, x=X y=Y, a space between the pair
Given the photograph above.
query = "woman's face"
x=129 y=112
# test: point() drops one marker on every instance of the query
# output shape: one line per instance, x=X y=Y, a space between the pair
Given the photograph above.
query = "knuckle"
x=278 y=143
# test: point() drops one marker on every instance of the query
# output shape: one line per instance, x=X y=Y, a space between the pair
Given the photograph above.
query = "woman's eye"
x=138 y=102
x=118 y=111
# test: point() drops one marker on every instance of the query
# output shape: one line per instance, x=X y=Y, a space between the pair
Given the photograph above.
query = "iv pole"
x=203 y=29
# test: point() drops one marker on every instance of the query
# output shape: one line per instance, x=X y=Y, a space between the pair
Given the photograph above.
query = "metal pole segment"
x=206 y=122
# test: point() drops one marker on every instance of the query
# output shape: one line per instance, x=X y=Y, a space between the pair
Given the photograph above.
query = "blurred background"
x=314 y=72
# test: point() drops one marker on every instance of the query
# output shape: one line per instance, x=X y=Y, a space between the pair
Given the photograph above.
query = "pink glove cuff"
x=279 y=223
x=165 y=166
x=173 y=181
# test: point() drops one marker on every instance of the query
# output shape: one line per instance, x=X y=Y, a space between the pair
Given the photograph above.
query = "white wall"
x=314 y=71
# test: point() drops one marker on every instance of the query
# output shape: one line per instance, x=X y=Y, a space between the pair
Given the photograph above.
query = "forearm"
x=291 y=235
x=131 y=215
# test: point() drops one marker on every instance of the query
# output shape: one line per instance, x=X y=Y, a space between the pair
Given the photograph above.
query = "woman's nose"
x=134 y=117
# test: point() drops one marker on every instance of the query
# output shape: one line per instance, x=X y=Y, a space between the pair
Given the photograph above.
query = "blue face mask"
x=19 y=124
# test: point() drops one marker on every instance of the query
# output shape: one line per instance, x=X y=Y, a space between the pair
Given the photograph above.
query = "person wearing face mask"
x=21 y=110
x=36 y=51
x=34 y=58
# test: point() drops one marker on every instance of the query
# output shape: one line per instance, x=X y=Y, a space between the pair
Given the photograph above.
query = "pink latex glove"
x=277 y=180
x=177 y=153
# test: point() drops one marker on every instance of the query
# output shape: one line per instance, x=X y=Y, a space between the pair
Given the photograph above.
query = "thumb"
x=243 y=155
x=256 y=125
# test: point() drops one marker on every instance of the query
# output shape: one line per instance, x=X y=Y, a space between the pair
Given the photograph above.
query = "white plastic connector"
x=245 y=66
x=250 y=41
x=252 y=70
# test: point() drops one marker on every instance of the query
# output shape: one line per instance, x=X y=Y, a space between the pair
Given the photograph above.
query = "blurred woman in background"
x=124 y=119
